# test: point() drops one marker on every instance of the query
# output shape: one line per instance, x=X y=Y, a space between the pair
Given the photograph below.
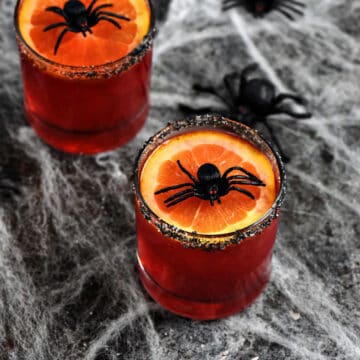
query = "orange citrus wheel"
x=236 y=210
x=106 y=43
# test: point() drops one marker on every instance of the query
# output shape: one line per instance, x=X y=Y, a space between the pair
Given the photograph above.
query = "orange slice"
x=193 y=149
x=106 y=43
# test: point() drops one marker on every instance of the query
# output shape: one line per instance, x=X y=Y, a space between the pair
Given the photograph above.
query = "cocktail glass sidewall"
x=205 y=276
x=87 y=109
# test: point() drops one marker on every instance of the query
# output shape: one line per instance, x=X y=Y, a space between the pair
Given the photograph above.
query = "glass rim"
x=194 y=239
x=89 y=71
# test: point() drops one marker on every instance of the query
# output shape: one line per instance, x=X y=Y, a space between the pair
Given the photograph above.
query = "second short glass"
x=84 y=109
x=208 y=273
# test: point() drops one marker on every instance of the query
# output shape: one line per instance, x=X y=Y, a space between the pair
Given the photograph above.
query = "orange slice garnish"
x=105 y=44
x=193 y=214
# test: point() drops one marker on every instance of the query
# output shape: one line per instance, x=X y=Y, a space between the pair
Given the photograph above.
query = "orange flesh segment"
x=107 y=43
x=193 y=149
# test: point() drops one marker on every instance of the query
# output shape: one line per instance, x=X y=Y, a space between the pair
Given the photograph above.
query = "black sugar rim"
x=209 y=241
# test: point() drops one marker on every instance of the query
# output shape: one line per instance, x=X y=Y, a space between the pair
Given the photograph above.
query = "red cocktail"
x=86 y=86
x=208 y=196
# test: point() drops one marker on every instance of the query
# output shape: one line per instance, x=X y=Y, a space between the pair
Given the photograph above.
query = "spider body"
x=251 y=101
x=257 y=97
x=210 y=184
x=259 y=8
x=76 y=17
x=80 y=19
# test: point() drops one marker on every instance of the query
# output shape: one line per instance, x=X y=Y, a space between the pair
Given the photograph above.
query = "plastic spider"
x=259 y=8
x=79 y=19
x=250 y=101
x=210 y=185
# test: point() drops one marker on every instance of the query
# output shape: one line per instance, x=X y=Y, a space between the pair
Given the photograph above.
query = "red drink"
x=205 y=276
x=91 y=108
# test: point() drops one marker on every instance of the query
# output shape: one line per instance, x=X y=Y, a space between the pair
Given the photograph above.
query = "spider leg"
x=55 y=10
x=249 y=174
x=237 y=177
x=105 y=18
x=59 y=39
x=189 y=110
x=180 y=194
x=54 y=26
x=274 y=139
x=243 y=191
x=254 y=183
x=121 y=17
x=180 y=200
x=103 y=6
x=298 y=99
x=291 y=113
x=90 y=7
x=206 y=89
x=285 y=13
x=186 y=172
x=294 y=2
x=285 y=6
x=174 y=187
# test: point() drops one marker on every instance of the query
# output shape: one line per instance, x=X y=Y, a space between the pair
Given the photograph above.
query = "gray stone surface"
x=67 y=244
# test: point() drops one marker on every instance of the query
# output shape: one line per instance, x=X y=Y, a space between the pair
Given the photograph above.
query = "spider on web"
x=250 y=101
x=260 y=8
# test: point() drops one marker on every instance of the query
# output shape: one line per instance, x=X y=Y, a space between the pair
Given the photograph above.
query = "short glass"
x=86 y=109
x=205 y=276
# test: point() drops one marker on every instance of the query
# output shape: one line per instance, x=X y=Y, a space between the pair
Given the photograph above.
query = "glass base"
x=201 y=310
x=83 y=142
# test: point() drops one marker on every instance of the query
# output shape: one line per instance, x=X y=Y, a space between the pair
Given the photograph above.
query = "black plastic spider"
x=210 y=184
x=80 y=19
x=259 y=8
x=250 y=101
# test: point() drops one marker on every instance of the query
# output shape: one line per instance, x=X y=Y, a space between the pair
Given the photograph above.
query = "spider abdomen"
x=259 y=95
x=259 y=8
x=76 y=15
x=209 y=185
x=208 y=173
x=74 y=8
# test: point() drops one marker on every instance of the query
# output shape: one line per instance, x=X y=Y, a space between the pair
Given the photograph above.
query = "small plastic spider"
x=259 y=8
x=250 y=101
x=79 y=19
x=210 y=185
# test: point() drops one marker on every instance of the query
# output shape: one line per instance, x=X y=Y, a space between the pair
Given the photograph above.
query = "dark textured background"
x=68 y=288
